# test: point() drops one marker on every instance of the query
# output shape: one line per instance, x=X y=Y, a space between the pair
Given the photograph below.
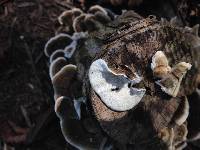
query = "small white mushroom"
x=114 y=89
x=160 y=65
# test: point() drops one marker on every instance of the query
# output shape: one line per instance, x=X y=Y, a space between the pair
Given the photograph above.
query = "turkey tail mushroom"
x=68 y=16
x=56 y=66
x=63 y=79
x=56 y=54
x=72 y=128
x=57 y=42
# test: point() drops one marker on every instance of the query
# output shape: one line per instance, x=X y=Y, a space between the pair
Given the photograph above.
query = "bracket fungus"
x=67 y=17
x=114 y=88
x=56 y=54
x=120 y=91
x=72 y=128
x=96 y=8
x=76 y=20
x=56 y=66
x=63 y=79
x=60 y=41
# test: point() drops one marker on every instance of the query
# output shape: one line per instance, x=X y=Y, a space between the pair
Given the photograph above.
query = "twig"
x=28 y=51
x=41 y=122
x=27 y=119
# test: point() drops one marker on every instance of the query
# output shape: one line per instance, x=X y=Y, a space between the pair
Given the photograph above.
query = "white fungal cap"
x=114 y=89
x=159 y=59
x=160 y=64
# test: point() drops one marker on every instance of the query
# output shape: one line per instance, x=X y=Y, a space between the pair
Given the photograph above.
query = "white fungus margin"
x=114 y=89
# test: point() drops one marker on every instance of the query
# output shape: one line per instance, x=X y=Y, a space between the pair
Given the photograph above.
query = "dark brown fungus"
x=100 y=14
x=72 y=128
x=57 y=42
x=96 y=8
x=62 y=81
x=79 y=24
x=90 y=22
x=57 y=65
x=102 y=18
x=56 y=54
x=67 y=17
